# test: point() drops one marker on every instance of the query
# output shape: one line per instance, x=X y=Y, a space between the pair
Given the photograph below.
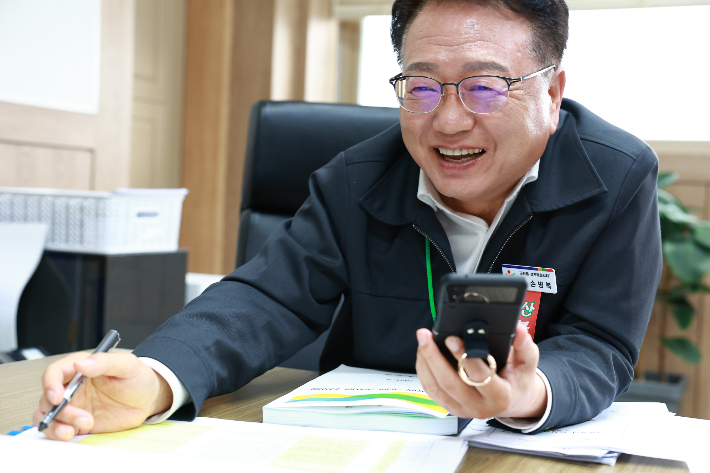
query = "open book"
x=358 y=398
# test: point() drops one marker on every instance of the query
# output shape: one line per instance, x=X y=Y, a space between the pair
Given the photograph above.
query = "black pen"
x=107 y=344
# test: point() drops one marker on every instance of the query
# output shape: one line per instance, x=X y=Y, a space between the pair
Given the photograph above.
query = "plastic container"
x=123 y=221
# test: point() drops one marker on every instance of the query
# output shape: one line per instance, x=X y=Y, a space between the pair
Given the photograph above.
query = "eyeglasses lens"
x=479 y=94
x=418 y=94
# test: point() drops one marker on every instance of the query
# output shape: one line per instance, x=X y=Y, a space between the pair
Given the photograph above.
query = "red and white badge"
x=539 y=280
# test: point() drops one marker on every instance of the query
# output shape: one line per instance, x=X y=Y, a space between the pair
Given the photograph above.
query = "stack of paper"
x=624 y=427
x=222 y=445
x=357 y=398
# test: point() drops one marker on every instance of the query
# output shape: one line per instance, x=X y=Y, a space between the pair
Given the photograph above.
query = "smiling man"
x=491 y=167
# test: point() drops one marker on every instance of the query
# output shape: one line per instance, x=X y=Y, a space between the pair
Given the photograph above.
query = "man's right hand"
x=119 y=393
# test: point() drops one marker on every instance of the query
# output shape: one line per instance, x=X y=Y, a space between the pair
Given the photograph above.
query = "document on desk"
x=268 y=447
x=601 y=439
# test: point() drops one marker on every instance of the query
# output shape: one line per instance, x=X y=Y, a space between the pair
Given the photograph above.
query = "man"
x=484 y=175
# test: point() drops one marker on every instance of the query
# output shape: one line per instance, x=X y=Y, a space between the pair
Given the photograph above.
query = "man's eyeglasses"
x=479 y=94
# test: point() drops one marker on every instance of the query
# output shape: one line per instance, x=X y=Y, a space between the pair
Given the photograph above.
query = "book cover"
x=358 y=398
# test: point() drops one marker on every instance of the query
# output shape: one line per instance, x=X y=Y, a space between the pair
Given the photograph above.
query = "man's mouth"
x=460 y=155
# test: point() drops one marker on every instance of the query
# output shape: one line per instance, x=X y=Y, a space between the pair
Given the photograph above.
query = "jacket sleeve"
x=591 y=352
x=268 y=309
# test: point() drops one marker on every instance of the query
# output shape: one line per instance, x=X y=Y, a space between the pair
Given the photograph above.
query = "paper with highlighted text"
x=223 y=445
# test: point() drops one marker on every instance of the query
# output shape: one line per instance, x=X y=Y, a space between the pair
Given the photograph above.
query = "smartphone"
x=493 y=298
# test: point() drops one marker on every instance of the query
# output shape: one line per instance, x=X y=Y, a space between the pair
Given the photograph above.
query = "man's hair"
x=548 y=18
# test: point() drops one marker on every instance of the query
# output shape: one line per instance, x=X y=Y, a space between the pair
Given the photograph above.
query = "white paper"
x=672 y=438
x=268 y=447
x=637 y=428
x=21 y=453
x=21 y=248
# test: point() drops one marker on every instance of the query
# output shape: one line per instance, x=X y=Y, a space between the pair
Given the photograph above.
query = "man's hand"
x=517 y=391
x=119 y=393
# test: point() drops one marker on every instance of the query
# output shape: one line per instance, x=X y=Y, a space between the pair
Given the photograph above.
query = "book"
x=363 y=399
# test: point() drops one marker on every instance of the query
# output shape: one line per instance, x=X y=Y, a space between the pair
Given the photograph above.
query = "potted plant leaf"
x=686 y=260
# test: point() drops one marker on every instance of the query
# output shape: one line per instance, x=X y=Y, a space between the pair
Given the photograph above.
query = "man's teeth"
x=460 y=152
x=466 y=154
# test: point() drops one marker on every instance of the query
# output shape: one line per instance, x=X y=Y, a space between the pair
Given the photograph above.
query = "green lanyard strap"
x=429 y=278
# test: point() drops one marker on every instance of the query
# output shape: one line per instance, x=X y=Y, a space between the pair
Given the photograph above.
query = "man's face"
x=450 y=42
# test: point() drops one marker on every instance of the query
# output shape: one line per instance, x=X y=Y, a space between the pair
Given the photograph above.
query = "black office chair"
x=287 y=141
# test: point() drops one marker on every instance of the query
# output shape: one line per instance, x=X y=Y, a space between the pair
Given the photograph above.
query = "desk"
x=20 y=389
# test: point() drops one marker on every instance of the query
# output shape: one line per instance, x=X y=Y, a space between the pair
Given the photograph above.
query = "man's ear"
x=557 y=88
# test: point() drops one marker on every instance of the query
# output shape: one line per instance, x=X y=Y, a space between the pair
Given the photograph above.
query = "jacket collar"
x=567 y=176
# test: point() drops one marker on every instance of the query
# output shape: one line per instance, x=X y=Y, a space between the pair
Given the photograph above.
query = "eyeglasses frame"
x=508 y=80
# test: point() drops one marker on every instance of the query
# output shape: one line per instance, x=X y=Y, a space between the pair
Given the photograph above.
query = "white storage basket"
x=123 y=221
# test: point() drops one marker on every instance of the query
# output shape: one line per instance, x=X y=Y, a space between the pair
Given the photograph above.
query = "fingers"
x=517 y=391
x=78 y=419
x=524 y=354
x=57 y=375
x=430 y=384
x=56 y=430
x=503 y=394
x=443 y=384
x=476 y=368
x=73 y=419
x=528 y=391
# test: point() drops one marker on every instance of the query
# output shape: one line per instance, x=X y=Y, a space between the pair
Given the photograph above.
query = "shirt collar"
x=427 y=193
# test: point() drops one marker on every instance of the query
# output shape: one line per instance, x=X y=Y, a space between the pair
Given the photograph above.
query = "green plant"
x=686 y=260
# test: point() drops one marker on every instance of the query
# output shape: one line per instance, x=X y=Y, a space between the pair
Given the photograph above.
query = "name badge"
x=538 y=279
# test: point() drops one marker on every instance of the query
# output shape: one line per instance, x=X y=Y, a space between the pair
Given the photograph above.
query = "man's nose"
x=451 y=115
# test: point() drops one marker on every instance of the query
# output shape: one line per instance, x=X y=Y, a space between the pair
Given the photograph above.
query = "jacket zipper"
x=507 y=240
x=435 y=246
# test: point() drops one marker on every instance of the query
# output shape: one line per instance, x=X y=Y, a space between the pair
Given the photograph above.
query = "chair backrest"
x=287 y=141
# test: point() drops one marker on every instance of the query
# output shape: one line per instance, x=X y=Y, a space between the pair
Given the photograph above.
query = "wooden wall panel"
x=349 y=57
x=228 y=68
x=156 y=150
x=113 y=123
x=206 y=112
x=145 y=133
x=53 y=148
x=288 y=61
x=42 y=126
x=239 y=52
x=250 y=82
x=37 y=166
x=321 y=74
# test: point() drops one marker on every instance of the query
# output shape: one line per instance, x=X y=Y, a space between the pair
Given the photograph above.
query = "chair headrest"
x=289 y=140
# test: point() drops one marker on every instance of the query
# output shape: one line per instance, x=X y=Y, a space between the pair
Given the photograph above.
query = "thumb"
x=524 y=350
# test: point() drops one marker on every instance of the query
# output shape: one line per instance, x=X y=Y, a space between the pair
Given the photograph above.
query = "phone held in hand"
x=489 y=301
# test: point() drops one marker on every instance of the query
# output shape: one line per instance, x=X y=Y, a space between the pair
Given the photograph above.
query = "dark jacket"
x=591 y=216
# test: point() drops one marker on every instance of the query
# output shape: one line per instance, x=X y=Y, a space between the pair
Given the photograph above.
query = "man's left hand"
x=517 y=391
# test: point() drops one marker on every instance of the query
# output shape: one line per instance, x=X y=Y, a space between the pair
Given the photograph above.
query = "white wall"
x=645 y=70
x=49 y=53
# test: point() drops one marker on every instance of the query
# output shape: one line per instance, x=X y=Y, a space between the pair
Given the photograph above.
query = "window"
x=643 y=69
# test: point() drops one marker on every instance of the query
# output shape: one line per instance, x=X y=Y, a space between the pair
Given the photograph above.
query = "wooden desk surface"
x=20 y=389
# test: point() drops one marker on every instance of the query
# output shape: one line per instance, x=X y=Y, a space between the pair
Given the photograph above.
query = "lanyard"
x=429 y=278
